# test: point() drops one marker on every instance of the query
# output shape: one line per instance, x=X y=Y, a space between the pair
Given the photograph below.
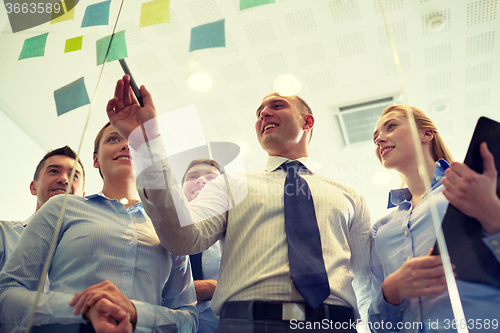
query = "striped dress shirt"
x=99 y=240
x=254 y=264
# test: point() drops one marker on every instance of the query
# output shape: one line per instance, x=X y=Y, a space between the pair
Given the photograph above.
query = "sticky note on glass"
x=73 y=44
x=155 y=12
x=71 y=96
x=245 y=4
x=117 y=50
x=34 y=47
x=62 y=14
x=96 y=14
x=207 y=36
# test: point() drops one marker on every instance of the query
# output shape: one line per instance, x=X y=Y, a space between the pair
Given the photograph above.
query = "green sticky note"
x=245 y=4
x=73 y=44
x=96 y=14
x=71 y=96
x=155 y=12
x=34 y=47
x=207 y=36
x=118 y=49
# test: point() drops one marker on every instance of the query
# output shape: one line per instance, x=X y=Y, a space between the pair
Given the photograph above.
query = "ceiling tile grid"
x=404 y=62
x=259 y=33
x=439 y=82
x=478 y=98
x=398 y=33
x=344 y=11
x=171 y=27
x=479 y=73
x=389 y=5
x=149 y=63
x=480 y=43
x=272 y=63
x=204 y=11
x=300 y=22
x=481 y=11
x=312 y=53
x=352 y=43
x=235 y=72
x=437 y=54
x=179 y=54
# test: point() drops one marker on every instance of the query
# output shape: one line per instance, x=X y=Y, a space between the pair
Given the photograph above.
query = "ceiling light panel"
x=171 y=27
x=398 y=32
x=204 y=11
x=351 y=44
x=260 y=33
x=439 y=82
x=477 y=98
x=479 y=73
x=480 y=44
x=344 y=11
x=272 y=63
x=312 y=53
x=481 y=11
x=236 y=72
x=437 y=54
x=300 y=22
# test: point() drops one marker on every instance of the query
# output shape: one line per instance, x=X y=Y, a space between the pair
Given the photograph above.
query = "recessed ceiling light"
x=381 y=178
x=200 y=81
x=436 y=23
x=440 y=106
x=287 y=85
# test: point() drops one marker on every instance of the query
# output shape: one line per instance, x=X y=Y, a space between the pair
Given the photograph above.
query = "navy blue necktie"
x=305 y=256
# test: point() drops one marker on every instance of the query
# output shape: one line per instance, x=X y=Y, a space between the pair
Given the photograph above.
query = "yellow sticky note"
x=68 y=14
x=155 y=12
x=73 y=44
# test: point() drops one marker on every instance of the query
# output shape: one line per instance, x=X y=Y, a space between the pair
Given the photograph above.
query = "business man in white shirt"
x=256 y=290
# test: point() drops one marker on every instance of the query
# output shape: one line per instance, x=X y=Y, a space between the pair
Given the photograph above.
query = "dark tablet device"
x=474 y=261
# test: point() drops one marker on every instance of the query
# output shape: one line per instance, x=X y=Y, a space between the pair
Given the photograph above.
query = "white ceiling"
x=337 y=48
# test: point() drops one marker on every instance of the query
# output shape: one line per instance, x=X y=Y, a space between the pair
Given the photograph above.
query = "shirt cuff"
x=63 y=310
x=493 y=242
x=147 y=154
x=145 y=316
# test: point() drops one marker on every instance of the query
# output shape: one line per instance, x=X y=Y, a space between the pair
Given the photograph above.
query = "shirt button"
x=494 y=243
x=406 y=233
x=438 y=164
x=497 y=251
x=438 y=178
x=408 y=258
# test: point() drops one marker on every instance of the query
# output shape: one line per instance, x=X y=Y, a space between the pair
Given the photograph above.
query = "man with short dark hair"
x=51 y=178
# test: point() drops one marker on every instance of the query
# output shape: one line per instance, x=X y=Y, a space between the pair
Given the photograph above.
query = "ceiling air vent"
x=357 y=121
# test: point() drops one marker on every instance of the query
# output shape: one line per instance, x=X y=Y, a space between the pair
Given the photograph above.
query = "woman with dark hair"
x=107 y=252
x=409 y=291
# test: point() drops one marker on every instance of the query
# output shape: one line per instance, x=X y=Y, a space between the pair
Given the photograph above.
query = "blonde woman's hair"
x=439 y=149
